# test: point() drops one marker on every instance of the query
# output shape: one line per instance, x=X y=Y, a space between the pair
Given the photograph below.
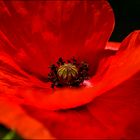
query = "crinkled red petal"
x=36 y=33
x=99 y=119
x=111 y=73
x=118 y=109
x=113 y=115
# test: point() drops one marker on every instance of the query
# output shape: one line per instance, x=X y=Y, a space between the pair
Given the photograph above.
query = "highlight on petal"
x=15 y=118
x=36 y=33
x=113 y=46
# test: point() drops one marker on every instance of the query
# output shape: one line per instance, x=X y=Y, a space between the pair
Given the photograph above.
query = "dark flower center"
x=68 y=74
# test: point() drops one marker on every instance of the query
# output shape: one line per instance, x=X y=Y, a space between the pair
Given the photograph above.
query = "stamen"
x=71 y=74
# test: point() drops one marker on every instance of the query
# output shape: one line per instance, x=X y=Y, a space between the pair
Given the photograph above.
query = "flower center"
x=67 y=72
x=70 y=74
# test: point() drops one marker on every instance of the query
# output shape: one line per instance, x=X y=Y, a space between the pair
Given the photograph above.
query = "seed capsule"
x=67 y=71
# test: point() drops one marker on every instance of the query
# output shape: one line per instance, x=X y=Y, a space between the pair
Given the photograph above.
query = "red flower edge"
x=34 y=54
x=82 y=31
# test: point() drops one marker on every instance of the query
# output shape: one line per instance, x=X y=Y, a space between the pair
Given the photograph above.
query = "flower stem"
x=9 y=136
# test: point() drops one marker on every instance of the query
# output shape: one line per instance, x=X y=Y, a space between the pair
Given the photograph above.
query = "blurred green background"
x=7 y=134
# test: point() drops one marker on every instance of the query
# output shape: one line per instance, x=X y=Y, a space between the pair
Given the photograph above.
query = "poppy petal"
x=36 y=34
x=105 y=116
x=114 y=71
x=121 y=66
x=113 y=45
x=113 y=115
x=10 y=71
x=14 y=82
x=107 y=77
x=12 y=116
x=118 y=109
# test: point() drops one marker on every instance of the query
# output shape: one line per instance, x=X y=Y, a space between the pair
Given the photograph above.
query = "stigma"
x=67 y=72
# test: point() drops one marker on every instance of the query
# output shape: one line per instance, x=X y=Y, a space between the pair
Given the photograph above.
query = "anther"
x=68 y=74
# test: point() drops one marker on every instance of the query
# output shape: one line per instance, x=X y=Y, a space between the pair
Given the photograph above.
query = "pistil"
x=70 y=74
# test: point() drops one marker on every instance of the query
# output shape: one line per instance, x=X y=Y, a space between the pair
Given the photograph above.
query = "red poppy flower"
x=33 y=35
